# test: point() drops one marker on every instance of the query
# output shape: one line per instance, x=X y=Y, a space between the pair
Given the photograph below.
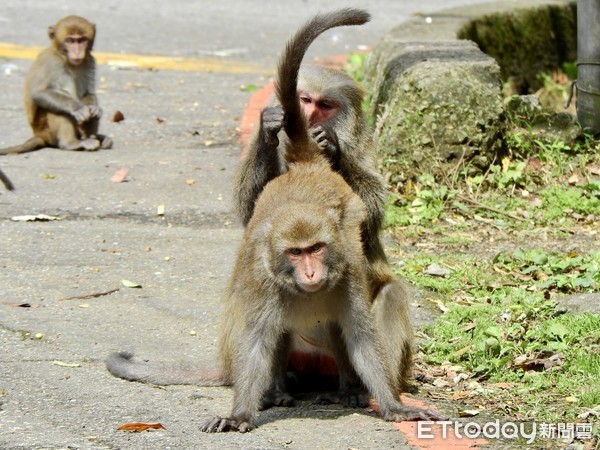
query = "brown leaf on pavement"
x=141 y=426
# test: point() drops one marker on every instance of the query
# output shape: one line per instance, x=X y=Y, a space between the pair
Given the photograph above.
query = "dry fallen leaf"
x=141 y=426
x=64 y=364
x=118 y=117
x=22 y=305
x=130 y=284
x=120 y=175
x=34 y=218
x=437 y=271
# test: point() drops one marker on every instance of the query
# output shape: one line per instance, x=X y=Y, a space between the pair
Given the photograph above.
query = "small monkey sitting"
x=60 y=99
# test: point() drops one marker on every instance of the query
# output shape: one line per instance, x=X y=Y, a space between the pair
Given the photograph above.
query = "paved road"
x=179 y=143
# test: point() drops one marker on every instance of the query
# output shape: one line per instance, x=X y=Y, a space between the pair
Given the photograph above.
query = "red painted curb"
x=251 y=115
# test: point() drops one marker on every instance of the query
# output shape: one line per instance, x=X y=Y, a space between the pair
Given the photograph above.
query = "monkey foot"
x=219 y=425
x=409 y=413
x=276 y=398
x=105 y=142
x=351 y=398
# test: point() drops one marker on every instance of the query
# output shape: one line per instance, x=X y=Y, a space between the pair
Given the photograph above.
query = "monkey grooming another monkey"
x=302 y=269
x=331 y=102
x=302 y=276
x=60 y=99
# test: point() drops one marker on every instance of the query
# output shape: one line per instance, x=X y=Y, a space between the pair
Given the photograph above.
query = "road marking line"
x=16 y=51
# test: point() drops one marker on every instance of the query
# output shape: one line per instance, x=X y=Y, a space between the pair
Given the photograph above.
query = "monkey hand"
x=410 y=413
x=327 y=140
x=271 y=122
x=219 y=425
x=82 y=114
x=95 y=111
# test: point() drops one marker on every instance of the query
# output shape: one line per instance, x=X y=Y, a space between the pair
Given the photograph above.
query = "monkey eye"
x=316 y=248
x=305 y=99
x=326 y=105
x=295 y=251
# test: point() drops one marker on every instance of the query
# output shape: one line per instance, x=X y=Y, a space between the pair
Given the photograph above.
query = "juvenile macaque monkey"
x=60 y=99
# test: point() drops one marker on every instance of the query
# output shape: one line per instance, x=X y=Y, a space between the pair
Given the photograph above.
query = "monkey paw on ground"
x=353 y=398
x=276 y=398
x=220 y=425
x=408 y=413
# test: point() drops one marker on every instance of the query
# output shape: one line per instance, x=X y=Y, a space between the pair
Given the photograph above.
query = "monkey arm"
x=89 y=99
x=57 y=102
x=368 y=185
x=262 y=163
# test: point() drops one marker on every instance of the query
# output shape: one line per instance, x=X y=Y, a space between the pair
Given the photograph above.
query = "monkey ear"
x=51 y=32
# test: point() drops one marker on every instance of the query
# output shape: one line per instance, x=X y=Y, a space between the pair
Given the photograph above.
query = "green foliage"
x=569 y=273
x=355 y=65
x=510 y=174
x=560 y=201
x=503 y=320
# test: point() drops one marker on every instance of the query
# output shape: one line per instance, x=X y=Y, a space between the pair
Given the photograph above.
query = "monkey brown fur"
x=331 y=103
x=59 y=93
x=302 y=270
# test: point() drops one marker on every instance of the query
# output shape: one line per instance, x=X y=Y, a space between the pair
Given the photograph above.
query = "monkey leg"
x=253 y=372
x=62 y=132
x=277 y=394
x=89 y=129
x=392 y=319
x=351 y=392
x=105 y=141
x=372 y=365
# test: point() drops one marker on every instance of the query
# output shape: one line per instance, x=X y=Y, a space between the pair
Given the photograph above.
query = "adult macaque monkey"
x=60 y=98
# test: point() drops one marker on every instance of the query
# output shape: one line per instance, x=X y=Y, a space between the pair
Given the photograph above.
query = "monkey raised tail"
x=121 y=365
x=291 y=59
x=30 y=145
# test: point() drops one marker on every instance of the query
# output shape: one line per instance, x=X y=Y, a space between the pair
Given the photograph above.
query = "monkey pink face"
x=75 y=47
x=309 y=266
x=317 y=109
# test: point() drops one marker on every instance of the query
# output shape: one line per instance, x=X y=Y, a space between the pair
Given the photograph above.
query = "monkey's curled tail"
x=30 y=145
x=291 y=59
x=121 y=365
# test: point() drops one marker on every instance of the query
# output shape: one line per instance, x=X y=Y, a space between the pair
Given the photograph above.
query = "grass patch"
x=502 y=332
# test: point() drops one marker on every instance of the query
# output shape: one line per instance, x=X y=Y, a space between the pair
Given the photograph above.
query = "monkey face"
x=317 y=108
x=309 y=268
x=76 y=48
